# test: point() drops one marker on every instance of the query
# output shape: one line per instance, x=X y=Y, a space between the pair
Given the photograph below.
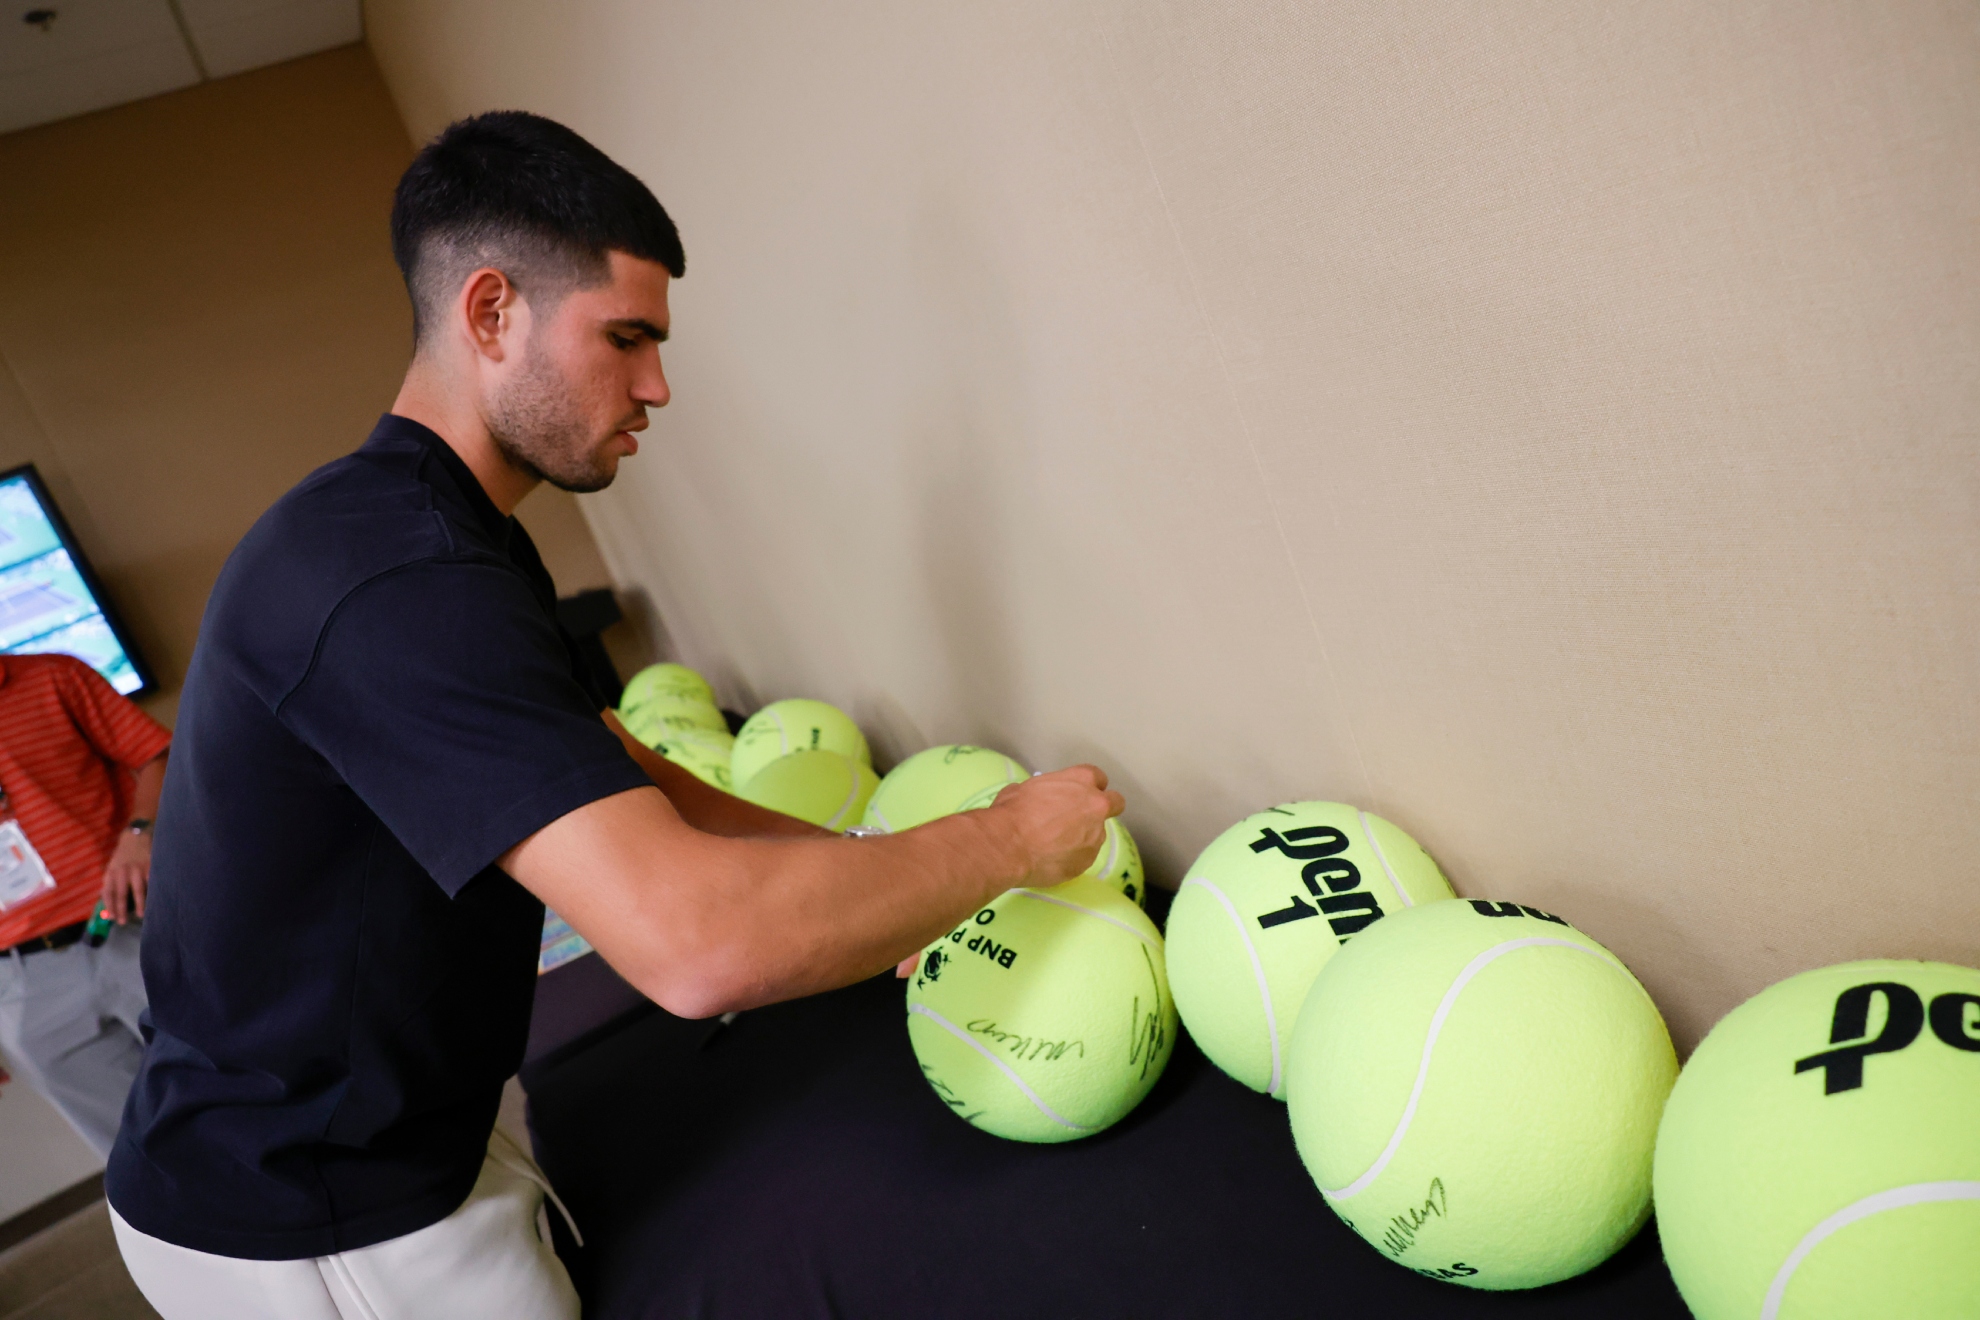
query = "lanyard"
x=23 y=875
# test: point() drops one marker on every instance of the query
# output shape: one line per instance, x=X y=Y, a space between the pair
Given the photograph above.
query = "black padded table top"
x=795 y=1165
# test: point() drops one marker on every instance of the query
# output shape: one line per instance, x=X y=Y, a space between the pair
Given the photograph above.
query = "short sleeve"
x=121 y=733
x=443 y=696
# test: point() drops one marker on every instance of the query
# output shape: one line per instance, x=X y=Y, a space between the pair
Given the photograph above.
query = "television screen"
x=49 y=597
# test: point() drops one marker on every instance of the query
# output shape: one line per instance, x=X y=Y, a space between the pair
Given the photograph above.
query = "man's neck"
x=425 y=399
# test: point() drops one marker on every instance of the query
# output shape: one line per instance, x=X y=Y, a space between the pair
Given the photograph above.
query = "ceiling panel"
x=236 y=35
x=79 y=30
x=92 y=54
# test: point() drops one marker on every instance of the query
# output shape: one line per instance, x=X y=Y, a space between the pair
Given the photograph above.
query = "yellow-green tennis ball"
x=1820 y=1157
x=1475 y=1086
x=1119 y=863
x=666 y=679
x=1263 y=909
x=703 y=752
x=1045 y=1016
x=822 y=787
x=940 y=782
x=796 y=725
x=663 y=716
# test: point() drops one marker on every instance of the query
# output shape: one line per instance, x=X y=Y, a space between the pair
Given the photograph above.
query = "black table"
x=794 y=1164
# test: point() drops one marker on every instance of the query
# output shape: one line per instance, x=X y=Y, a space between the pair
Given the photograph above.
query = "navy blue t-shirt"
x=380 y=705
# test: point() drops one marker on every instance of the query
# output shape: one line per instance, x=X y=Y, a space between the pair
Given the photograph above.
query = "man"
x=80 y=773
x=386 y=767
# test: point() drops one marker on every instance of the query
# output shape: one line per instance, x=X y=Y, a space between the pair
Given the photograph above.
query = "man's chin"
x=585 y=484
x=600 y=474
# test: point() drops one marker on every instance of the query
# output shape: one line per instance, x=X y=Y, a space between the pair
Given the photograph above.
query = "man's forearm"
x=713 y=924
x=706 y=807
x=904 y=891
x=150 y=785
x=702 y=924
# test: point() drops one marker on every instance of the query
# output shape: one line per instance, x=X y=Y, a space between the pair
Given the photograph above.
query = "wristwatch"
x=141 y=825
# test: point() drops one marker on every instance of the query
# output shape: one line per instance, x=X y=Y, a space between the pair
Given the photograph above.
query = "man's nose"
x=650 y=389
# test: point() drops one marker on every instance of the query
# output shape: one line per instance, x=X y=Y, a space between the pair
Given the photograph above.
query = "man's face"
x=584 y=376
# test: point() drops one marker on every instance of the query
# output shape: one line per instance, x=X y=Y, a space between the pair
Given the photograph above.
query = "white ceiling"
x=97 y=53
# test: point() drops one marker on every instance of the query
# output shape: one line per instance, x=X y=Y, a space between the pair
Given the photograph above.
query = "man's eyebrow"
x=657 y=333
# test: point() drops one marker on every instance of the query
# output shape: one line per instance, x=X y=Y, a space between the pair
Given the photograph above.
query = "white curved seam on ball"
x=1111 y=850
x=881 y=816
x=851 y=795
x=1097 y=916
x=1896 y=1198
x=783 y=734
x=1000 y=1065
x=1383 y=858
x=1257 y=971
x=1471 y=969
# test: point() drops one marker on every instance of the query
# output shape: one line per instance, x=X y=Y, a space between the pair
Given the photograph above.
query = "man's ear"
x=489 y=308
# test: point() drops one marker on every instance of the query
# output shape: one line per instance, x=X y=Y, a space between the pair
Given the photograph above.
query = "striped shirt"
x=69 y=749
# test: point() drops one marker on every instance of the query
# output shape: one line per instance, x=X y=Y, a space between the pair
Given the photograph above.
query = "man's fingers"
x=906 y=967
x=1091 y=774
x=1097 y=777
x=123 y=895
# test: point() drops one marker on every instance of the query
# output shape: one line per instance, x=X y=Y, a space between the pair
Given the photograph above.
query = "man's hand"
x=127 y=877
x=1062 y=817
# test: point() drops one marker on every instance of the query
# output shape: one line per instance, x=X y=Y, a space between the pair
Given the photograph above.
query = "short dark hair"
x=527 y=196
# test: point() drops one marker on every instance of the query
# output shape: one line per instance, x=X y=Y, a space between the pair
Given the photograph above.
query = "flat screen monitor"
x=50 y=599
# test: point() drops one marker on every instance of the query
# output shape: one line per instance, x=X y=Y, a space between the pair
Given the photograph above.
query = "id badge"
x=23 y=875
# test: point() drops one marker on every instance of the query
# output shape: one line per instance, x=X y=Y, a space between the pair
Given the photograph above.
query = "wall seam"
x=20 y=388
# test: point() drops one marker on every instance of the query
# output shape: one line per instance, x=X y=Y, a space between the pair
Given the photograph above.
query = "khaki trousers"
x=69 y=1026
x=490 y=1258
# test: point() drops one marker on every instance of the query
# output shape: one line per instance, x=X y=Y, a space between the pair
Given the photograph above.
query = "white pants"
x=490 y=1258
x=69 y=1025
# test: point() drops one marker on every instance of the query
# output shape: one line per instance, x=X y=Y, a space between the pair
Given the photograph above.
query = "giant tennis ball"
x=669 y=680
x=663 y=715
x=822 y=787
x=1475 y=1086
x=1263 y=909
x=940 y=782
x=1119 y=863
x=1820 y=1157
x=703 y=752
x=796 y=725
x=1045 y=1016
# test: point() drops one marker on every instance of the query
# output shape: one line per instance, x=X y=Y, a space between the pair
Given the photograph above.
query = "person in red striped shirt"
x=81 y=768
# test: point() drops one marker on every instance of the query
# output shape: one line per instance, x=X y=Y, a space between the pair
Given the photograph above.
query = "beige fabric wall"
x=1553 y=426
x=198 y=306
